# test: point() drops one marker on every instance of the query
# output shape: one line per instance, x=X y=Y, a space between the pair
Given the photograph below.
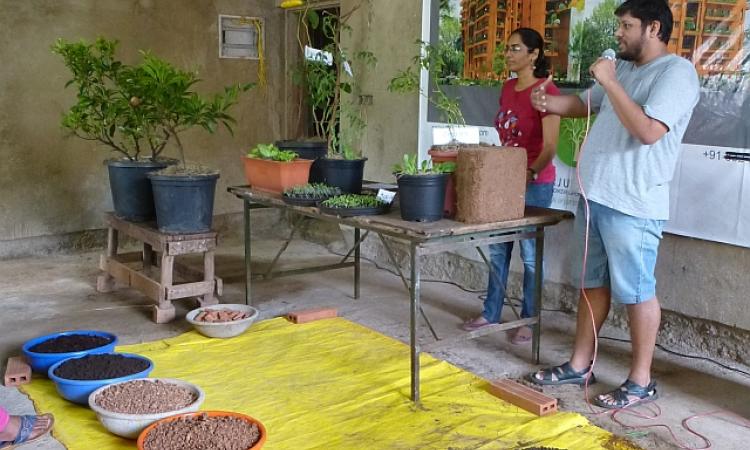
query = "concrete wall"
x=52 y=185
x=389 y=30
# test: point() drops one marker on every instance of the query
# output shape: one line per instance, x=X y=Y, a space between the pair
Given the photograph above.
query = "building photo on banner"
x=710 y=191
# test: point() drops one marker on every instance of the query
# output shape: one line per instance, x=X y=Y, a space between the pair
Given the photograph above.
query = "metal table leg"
x=248 y=271
x=357 y=243
x=414 y=291
x=538 y=275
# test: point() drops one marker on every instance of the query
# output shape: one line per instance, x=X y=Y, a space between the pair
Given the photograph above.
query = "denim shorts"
x=621 y=253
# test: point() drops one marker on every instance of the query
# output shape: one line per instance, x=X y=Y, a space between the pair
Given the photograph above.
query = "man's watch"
x=534 y=174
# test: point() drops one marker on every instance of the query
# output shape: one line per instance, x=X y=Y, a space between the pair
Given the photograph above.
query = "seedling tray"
x=350 y=212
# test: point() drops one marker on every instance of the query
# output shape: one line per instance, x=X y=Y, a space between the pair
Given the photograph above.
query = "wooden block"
x=523 y=397
x=310 y=315
x=490 y=184
x=163 y=315
x=17 y=372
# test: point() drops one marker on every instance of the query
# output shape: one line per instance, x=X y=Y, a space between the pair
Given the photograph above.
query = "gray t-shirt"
x=617 y=170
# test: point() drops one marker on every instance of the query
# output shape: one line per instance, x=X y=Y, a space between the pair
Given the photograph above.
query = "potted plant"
x=421 y=188
x=325 y=77
x=347 y=205
x=111 y=110
x=184 y=193
x=310 y=194
x=407 y=81
x=270 y=169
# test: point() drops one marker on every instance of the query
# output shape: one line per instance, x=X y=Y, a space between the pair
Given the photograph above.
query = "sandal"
x=562 y=374
x=29 y=428
x=627 y=395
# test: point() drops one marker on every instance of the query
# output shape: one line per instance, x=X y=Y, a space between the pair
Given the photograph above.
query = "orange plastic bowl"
x=256 y=446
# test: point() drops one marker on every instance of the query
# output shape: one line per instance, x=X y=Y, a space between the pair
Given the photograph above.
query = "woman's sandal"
x=30 y=430
x=562 y=374
x=626 y=395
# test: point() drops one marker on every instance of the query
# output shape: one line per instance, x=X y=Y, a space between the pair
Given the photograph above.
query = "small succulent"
x=272 y=152
x=353 y=201
x=312 y=191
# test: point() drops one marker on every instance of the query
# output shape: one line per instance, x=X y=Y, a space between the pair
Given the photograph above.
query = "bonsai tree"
x=329 y=74
x=109 y=108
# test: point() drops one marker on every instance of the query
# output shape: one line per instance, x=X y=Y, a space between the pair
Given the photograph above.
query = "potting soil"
x=225 y=433
x=70 y=343
x=100 y=367
x=333 y=384
x=145 y=397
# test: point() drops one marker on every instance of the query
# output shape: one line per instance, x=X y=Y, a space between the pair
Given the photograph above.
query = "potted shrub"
x=184 y=193
x=325 y=78
x=111 y=110
x=270 y=169
x=407 y=81
x=347 y=205
x=421 y=188
x=310 y=194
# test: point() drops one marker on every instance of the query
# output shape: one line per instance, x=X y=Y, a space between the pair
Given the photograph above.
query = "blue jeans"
x=536 y=195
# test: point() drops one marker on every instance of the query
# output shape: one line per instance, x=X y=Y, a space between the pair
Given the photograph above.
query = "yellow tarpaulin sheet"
x=333 y=384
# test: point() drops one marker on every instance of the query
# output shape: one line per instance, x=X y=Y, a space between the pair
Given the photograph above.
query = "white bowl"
x=130 y=425
x=223 y=329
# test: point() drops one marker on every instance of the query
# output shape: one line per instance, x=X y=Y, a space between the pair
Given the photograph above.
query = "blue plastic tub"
x=78 y=391
x=41 y=362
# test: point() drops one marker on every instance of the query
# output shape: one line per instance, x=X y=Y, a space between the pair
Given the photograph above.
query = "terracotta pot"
x=258 y=444
x=438 y=155
x=276 y=176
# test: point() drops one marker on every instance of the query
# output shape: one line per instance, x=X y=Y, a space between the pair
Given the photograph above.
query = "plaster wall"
x=52 y=184
x=389 y=29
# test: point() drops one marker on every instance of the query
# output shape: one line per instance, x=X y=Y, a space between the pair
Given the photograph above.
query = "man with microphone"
x=644 y=101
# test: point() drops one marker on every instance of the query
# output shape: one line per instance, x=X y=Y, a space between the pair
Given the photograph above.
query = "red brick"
x=523 y=397
x=17 y=371
x=310 y=315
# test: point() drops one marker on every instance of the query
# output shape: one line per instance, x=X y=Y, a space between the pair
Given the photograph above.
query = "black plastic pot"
x=132 y=197
x=308 y=150
x=345 y=174
x=184 y=203
x=421 y=197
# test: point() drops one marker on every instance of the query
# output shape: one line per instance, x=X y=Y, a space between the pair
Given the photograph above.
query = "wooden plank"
x=146 y=286
x=189 y=290
x=523 y=397
x=130 y=257
x=484 y=331
x=119 y=271
x=194 y=246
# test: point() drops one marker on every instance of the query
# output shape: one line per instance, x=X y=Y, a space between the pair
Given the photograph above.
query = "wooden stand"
x=118 y=267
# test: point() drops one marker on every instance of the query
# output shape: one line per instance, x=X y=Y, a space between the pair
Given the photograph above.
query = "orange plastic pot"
x=258 y=444
x=276 y=176
x=437 y=155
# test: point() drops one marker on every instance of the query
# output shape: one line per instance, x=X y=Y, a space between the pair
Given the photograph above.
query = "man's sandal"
x=626 y=395
x=562 y=374
x=31 y=429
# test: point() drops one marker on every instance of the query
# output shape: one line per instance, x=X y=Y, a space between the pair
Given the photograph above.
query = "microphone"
x=609 y=54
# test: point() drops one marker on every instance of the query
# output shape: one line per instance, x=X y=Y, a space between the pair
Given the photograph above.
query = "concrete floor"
x=55 y=293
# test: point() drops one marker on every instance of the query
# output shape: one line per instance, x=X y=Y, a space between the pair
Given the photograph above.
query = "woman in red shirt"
x=520 y=125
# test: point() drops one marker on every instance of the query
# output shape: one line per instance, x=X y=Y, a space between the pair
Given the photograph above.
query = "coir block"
x=17 y=372
x=490 y=183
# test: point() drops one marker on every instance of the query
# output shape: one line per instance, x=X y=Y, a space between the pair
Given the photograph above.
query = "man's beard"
x=632 y=54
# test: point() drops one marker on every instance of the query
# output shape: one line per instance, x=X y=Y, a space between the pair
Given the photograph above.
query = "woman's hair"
x=533 y=40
